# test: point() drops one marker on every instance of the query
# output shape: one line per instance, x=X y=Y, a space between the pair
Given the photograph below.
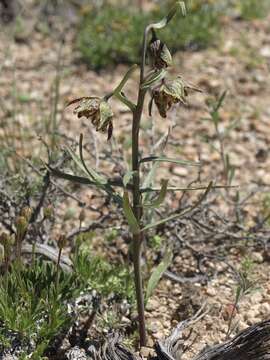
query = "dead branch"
x=251 y=344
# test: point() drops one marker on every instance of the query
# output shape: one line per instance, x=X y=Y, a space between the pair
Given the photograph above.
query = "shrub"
x=103 y=40
x=252 y=9
x=35 y=303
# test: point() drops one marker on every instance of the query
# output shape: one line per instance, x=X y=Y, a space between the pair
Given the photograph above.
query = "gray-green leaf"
x=157 y=274
x=170 y=160
x=153 y=78
x=131 y=219
x=164 y=22
x=161 y=196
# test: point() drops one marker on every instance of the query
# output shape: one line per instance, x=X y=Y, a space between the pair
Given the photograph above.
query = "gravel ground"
x=239 y=64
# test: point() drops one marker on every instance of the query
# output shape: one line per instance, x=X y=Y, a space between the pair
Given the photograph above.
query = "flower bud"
x=82 y=215
x=27 y=212
x=48 y=212
x=2 y=253
x=4 y=238
x=11 y=239
x=62 y=241
x=21 y=225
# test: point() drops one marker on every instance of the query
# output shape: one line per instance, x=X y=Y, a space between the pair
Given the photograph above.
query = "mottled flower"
x=159 y=53
x=97 y=110
x=169 y=93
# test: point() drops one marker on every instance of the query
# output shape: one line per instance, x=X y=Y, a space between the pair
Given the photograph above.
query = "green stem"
x=58 y=270
x=137 y=199
x=137 y=203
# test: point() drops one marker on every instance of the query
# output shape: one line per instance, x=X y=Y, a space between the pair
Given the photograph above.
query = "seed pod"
x=62 y=241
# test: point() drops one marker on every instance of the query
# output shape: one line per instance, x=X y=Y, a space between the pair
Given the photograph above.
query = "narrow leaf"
x=148 y=182
x=121 y=96
x=164 y=22
x=152 y=189
x=73 y=178
x=91 y=172
x=157 y=275
x=128 y=74
x=131 y=219
x=99 y=180
x=128 y=176
x=161 y=197
x=81 y=179
x=220 y=100
x=170 y=160
x=181 y=214
x=152 y=78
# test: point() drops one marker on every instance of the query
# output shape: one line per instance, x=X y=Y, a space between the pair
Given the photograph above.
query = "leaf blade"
x=161 y=196
x=170 y=160
x=175 y=216
x=157 y=275
x=128 y=212
x=164 y=22
x=153 y=78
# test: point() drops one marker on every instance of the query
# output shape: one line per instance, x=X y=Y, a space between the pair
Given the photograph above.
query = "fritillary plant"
x=136 y=195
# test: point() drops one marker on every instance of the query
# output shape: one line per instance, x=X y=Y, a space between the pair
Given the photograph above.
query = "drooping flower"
x=171 y=92
x=97 y=110
x=160 y=55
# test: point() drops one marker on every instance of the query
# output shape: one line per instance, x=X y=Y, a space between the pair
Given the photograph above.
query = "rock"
x=264 y=309
x=257 y=257
x=153 y=304
x=252 y=321
x=10 y=357
x=159 y=335
x=211 y=291
x=180 y=171
x=154 y=327
x=256 y=298
x=125 y=320
x=76 y=354
x=265 y=51
x=241 y=325
x=146 y=351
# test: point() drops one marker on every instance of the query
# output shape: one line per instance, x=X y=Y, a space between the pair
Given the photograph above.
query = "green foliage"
x=253 y=9
x=215 y=118
x=266 y=207
x=34 y=303
x=98 y=274
x=112 y=35
x=155 y=242
x=30 y=305
x=246 y=284
x=157 y=273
